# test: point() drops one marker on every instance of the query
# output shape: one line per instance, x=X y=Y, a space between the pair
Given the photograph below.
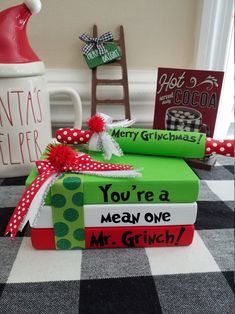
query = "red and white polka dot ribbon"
x=26 y=200
x=220 y=147
x=73 y=136
x=47 y=173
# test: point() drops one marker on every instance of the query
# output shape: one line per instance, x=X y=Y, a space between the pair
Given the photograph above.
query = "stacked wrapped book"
x=77 y=200
x=85 y=211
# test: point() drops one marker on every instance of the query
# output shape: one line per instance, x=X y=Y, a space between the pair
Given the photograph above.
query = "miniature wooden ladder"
x=106 y=82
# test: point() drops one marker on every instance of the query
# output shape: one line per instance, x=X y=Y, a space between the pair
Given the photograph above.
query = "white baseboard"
x=142 y=88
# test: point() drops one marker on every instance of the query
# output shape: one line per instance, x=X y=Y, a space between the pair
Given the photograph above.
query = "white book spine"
x=140 y=215
x=129 y=215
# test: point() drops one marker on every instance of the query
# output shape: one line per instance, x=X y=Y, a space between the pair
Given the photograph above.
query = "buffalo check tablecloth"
x=195 y=279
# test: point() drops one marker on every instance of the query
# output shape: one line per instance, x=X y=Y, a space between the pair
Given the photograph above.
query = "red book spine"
x=42 y=238
x=121 y=237
x=134 y=237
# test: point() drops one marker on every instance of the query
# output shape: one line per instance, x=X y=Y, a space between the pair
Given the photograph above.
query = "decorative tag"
x=93 y=59
x=99 y=50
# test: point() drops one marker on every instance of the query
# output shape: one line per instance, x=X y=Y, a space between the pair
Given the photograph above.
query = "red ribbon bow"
x=60 y=159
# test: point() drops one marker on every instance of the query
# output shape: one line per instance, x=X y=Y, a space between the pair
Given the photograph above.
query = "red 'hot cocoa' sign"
x=187 y=99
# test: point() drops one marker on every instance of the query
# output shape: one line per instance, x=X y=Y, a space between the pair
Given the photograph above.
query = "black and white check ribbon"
x=95 y=42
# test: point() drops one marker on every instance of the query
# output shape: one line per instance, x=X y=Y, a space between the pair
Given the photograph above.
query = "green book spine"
x=164 y=180
x=160 y=142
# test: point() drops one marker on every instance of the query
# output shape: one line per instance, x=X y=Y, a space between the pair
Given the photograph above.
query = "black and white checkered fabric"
x=182 y=125
x=196 y=279
x=95 y=42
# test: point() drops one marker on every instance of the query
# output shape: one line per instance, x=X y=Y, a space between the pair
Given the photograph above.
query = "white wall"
x=158 y=32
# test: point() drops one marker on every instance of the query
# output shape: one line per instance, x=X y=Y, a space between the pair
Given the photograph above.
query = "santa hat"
x=14 y=45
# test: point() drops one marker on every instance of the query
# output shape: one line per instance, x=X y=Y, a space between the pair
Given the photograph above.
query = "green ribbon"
x=67 y=202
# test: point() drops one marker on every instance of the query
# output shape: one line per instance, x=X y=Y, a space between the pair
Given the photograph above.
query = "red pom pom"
x=60 y=156
x=96 y=124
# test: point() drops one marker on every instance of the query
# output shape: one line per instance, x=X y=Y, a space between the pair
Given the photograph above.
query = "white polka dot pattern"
x=73 y=136
x=221 y=147
x=85 y=163
x=22 y=208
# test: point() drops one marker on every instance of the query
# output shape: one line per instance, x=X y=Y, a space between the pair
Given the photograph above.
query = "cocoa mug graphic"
x=25 y=121
x=185 y=119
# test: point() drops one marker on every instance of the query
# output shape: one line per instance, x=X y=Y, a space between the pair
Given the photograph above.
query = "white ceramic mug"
x=25 y=120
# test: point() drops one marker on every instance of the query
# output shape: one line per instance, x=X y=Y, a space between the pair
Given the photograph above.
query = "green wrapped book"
x=163 y=180
x=160 y=142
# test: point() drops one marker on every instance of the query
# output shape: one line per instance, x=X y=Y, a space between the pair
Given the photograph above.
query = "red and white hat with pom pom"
x=96 y=124
x=97 y=137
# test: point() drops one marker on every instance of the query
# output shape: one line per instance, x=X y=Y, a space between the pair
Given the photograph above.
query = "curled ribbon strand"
x=18 y=221
x=95 y=42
